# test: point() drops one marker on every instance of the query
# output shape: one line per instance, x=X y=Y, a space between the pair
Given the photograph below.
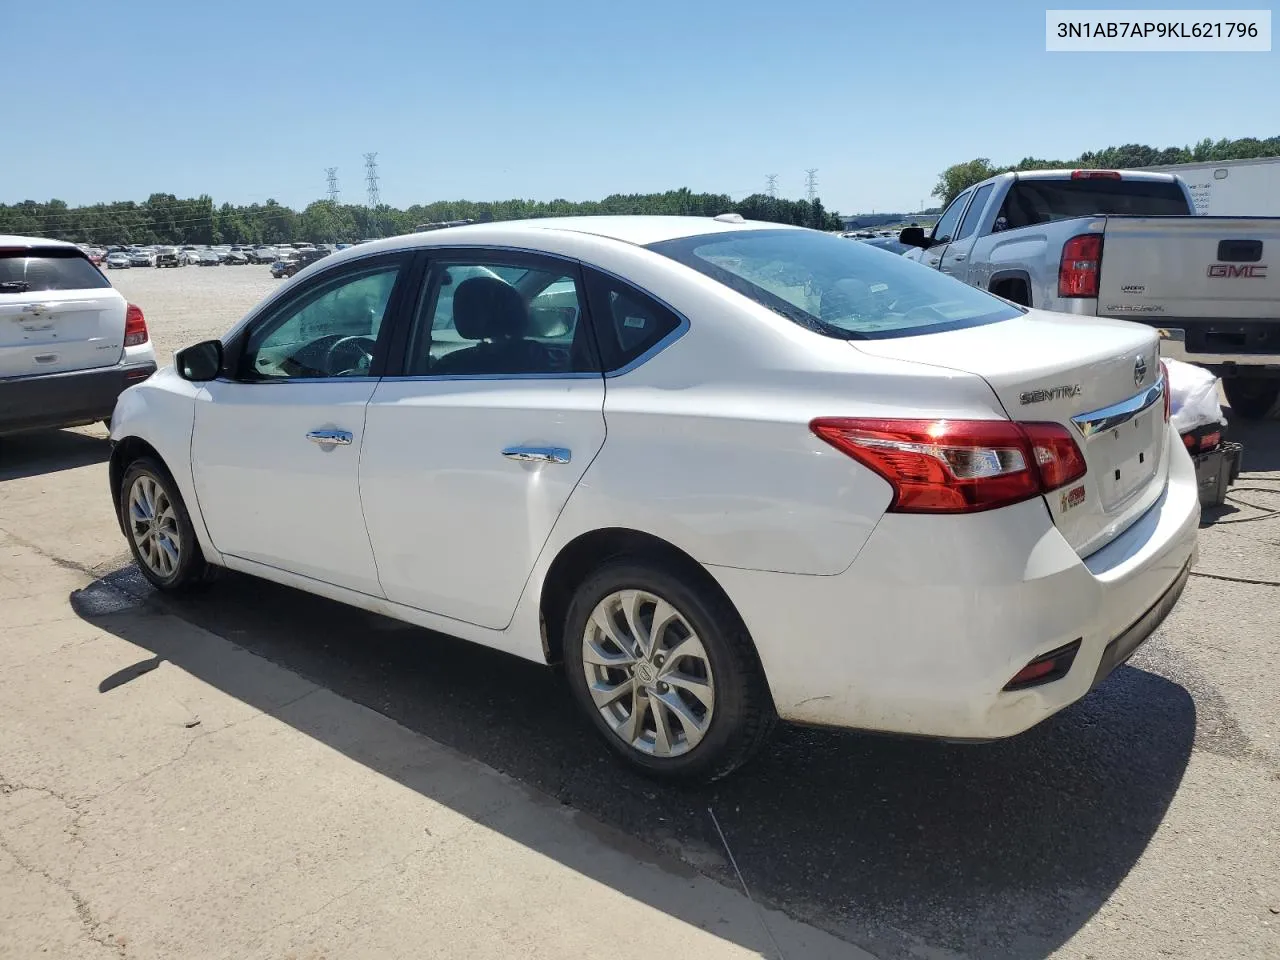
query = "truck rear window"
x=24 y=270
x=1042 y=201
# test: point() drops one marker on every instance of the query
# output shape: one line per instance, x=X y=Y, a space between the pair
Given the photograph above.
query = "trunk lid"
x=1099 y=378
x=57 y=313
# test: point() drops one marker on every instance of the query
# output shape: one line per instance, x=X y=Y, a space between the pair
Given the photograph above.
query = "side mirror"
x=913 y=237
x=199 y=363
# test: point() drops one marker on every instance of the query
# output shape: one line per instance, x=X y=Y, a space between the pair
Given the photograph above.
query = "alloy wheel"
x=648 y=673
x=153 y=526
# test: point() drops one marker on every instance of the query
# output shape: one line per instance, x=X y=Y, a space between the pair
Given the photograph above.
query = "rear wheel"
x=1252 y=397
x=158 y=527
x=664 y=669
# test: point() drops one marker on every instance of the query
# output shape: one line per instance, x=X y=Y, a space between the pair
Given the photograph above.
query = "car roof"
x=7 y=240
x=638 y=230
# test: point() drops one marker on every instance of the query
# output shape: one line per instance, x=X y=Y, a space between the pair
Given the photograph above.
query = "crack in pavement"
x=84 y=913
x=373 y=875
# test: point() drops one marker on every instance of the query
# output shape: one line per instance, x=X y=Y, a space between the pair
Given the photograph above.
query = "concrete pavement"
x=145 y=812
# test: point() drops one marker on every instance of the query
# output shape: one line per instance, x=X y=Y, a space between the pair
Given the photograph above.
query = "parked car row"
x=158 y=255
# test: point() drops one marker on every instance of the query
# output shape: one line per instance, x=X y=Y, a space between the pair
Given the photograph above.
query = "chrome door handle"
x=538 y=454
x=341 y=438
x=933 y=261
x=958 y=257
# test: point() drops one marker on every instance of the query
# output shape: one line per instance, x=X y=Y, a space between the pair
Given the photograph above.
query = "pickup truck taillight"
x=1081 y=263
x=958 y=466
x=135 y=326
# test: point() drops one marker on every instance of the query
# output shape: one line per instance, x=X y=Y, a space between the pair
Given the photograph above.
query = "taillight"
x=135 y=326
x=1095 y=175
x=1164 y=385
x=1080 y=265
x=958 y=466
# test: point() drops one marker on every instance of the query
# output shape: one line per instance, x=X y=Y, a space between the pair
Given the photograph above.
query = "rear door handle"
x=538 y=454
x=958 y=257
x=340 y=438
x=933 y=261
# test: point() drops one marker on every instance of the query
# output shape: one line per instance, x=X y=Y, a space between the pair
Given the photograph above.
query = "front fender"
x=160 y=412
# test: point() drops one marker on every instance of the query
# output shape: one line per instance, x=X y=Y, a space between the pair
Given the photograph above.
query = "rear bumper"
x=937 y=614
x=66 y=399
x=1251 y=343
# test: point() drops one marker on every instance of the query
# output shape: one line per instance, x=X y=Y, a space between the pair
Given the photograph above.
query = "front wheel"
x=158 y=527
x=666 y=672
x=1252 y=397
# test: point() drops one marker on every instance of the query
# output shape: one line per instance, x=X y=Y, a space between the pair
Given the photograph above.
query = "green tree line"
x=164 y=218
x=961 y=176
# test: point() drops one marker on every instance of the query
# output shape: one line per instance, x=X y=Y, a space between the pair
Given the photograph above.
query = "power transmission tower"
x=371 y=179
x=811 y=183
x=772 y=180
x=331 y=173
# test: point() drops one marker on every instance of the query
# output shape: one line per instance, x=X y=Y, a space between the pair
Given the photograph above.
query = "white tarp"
x=1193 y=396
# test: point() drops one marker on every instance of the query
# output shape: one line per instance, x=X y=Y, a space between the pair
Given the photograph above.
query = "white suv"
x=69 y=343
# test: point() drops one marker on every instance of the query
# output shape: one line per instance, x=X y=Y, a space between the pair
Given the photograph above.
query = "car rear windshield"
x=1042 y=201
x=24 y=269
x=838 y=287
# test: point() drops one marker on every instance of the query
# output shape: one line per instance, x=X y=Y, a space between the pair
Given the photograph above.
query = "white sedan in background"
x=723 y=472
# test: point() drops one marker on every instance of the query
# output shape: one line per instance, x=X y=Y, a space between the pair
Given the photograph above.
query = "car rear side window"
x=628 y=323
x=33 y=270
x=1031 y=202
x=834 y=287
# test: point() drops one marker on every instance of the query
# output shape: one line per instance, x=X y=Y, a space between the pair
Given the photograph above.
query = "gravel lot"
x=189 y=304
x=1142 y=822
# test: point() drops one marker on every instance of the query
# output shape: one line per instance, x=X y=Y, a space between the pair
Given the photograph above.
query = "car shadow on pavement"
x=906 y=848
x=1261 y=440
x=49 y=451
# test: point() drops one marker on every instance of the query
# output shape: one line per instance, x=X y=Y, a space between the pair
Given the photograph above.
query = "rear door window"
x=24 y=270
x=1032 y=202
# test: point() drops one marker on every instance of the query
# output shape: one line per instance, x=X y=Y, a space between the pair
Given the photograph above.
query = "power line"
x=331 y=174
x=771 y=179
x=811 y=183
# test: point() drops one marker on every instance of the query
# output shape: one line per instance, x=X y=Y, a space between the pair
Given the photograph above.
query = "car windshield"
x=841 y=289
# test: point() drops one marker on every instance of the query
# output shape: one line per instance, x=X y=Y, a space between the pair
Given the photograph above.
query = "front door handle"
x=933 y=261
x=958 y=257
x=340 y=438
x=538 y=454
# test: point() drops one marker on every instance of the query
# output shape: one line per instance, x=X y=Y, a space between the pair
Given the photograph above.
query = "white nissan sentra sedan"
x=722 y=471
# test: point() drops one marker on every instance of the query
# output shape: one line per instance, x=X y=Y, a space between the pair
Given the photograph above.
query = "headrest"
x=486 y=308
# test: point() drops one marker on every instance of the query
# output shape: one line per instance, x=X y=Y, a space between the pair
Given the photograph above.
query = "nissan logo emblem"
x=1139 y=371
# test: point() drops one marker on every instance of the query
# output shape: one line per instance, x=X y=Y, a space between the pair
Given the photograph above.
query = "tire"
x=730 y=728
x=1252 y=398
x=154 y=558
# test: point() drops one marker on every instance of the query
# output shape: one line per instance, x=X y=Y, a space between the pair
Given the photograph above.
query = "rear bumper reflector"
x=1045 y=668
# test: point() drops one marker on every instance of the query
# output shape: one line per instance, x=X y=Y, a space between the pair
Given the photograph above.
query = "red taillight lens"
x=958 y=466
x=1056 y=455
x=135 y=326
x=1164 y=385
x=1095 y=175
x=1081 y=263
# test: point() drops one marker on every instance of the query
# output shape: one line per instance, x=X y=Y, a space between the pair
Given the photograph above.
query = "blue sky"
x=576 y=99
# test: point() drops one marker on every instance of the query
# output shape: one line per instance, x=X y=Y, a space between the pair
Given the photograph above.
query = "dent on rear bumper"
x=936 y=615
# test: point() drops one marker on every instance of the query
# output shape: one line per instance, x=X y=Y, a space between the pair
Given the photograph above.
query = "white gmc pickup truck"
x=1126 y=245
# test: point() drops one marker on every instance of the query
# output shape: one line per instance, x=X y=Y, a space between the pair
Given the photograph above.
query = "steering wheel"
x=349 y=356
